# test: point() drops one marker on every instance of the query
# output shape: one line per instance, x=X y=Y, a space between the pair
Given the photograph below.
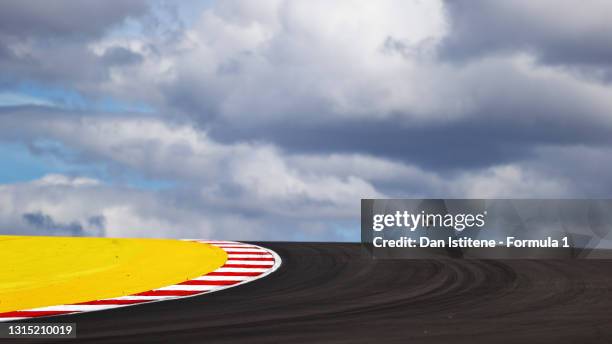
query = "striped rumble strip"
x=245 y=263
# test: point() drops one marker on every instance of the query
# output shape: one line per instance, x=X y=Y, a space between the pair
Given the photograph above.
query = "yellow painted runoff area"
x=47 y=271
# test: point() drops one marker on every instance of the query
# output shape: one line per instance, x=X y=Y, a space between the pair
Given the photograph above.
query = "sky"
x=270 y=120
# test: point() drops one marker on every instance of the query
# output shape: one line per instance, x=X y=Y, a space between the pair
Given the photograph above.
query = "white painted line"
x=241 y=270
x=223 y=278
x=188 y=287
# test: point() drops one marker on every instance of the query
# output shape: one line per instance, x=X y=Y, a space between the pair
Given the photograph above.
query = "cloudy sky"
x=269 y=120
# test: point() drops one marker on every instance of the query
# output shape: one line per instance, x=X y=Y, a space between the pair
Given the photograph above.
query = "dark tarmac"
x=332 y=293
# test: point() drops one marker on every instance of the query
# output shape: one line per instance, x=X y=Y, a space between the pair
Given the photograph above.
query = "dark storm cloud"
x=472 y=143
x=45 y=42
x=54 y=65
x=557 y=32
x=513 y=113
x=45 y=224
x=120 y=56
x=56 y=18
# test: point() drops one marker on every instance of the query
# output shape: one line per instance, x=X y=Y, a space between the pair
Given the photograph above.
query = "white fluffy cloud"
x=250 y=63
x=179 y=152
x=62 y=205
x=242 y=65
x=241 y=190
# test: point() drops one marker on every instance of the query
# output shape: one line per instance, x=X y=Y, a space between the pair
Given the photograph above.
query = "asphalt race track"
x=331 y=293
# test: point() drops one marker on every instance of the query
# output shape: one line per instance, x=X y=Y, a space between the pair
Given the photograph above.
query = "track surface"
x=331 y=293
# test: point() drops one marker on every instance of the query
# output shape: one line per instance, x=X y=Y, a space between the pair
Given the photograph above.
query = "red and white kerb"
x=245 y=263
